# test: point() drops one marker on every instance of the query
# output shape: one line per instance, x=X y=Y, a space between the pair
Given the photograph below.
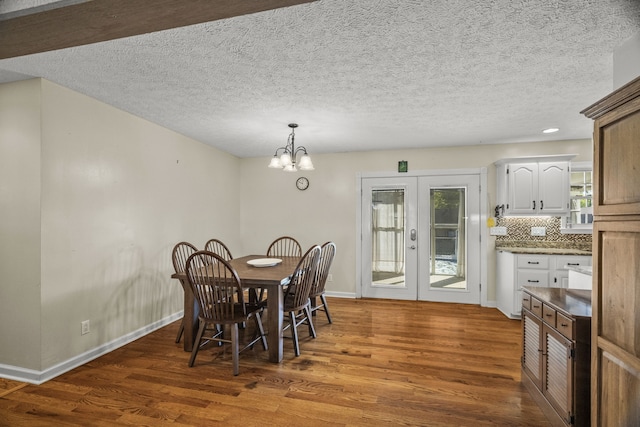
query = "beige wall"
x=117 y=193
x=20 y=224
x=272 y=206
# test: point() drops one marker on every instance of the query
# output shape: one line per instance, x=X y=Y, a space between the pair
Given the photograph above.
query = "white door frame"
x=484 y=233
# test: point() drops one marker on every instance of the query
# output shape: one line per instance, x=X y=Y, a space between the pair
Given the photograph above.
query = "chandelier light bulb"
x=305 y=163
x=275 y=163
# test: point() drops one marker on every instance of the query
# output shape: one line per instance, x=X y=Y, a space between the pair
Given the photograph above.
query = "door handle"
x=412 y=247
x=413 y=235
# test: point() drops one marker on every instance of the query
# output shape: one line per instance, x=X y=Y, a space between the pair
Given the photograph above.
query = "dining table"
x=271 y=276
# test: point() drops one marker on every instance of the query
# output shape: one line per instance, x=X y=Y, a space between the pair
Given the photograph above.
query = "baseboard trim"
x=31 y=376
x=340 y=294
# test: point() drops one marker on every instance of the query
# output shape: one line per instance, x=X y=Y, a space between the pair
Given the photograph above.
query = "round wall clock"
x=302 y=183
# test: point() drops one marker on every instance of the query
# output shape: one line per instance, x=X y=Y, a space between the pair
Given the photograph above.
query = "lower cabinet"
x=557 y=352
x=513 y=271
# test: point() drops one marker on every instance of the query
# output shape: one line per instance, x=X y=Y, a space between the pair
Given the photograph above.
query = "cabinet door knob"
x=541 y=205
x=534 y=205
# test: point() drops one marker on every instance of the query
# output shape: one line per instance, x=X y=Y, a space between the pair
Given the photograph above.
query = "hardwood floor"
x=381 y=362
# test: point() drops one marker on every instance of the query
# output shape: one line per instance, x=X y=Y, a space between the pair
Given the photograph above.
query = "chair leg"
x=326 y=307
x=314 y=305
x=236 y=349
x=180 y=331
x=307 y=312
x=294 y=333
x=196 y=344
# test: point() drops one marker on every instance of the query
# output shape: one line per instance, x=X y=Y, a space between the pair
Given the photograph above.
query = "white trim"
x=358 y=292
x=340 y=294
x=484 y=236
x=426 y=172
x=527 y=159
x=38 y=377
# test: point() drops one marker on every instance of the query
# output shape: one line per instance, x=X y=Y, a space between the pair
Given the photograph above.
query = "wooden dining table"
x=271 y=278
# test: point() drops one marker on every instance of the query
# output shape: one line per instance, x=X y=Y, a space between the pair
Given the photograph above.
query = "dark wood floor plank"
x=380 y=363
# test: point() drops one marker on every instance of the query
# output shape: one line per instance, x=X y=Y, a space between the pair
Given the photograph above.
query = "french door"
x=421 y=238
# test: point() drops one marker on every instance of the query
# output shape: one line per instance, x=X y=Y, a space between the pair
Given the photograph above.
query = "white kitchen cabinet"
x=505 y=283
x=517 y=270
x=534 y=186
x=560 y=278
x=514 y=272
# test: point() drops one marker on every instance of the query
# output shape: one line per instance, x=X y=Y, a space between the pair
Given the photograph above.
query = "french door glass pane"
x=387 y=232
x=448 y=238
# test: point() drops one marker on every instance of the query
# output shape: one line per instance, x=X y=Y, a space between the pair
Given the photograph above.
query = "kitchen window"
x=580 y=219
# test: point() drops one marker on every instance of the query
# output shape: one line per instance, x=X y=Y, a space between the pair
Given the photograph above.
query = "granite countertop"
x=543 y=251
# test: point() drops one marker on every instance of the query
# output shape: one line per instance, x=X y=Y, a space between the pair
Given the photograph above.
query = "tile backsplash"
x=519 y=234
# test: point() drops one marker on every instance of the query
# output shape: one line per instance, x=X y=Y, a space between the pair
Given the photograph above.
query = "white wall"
x=118 y=193
x=626 y=61
x=272 y=206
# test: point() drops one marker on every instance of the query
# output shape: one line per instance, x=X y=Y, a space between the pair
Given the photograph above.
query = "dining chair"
x=282 y=246
x=218 y=291
x=296 y=305
x=217 y=247
x=181 y=252
x=327 y=253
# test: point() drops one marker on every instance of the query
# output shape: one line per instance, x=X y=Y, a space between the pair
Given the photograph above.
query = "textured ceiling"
x=361 y=74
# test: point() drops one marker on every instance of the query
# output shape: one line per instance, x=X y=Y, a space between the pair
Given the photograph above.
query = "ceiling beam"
x=101 y=20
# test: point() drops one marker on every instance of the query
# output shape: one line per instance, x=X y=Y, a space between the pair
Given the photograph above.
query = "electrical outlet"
x=85 y=327
x=330 y=277
x=498 y=231
x=538 y=231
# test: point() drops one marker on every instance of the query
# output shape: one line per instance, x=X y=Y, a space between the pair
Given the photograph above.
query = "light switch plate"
x=538 y=231
x=498 y=231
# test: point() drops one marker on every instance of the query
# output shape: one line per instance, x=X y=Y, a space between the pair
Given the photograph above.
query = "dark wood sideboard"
x=556 y=356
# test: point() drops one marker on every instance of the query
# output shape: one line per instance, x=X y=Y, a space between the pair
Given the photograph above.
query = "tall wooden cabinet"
x=615 y=399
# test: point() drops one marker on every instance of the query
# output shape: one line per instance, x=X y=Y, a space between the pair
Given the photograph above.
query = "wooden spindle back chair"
x=327 y=253
x=296 y=295
x=218 y=291
x=181 y=252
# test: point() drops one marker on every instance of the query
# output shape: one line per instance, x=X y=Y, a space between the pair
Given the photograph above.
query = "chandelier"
x=287 y=161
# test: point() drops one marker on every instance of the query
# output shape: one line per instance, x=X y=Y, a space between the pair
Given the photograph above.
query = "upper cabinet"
x=534 y=186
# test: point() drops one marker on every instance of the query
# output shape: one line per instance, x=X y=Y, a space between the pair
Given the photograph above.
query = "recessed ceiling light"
x=550 y=130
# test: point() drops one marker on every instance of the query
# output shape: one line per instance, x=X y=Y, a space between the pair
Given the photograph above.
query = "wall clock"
x=302 y=183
